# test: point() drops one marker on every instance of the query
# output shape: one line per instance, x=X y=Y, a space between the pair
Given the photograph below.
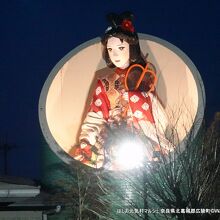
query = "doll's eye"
x=109 y=49
x=121 y=48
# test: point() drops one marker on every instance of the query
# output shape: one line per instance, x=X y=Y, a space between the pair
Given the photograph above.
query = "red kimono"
x=112 y=104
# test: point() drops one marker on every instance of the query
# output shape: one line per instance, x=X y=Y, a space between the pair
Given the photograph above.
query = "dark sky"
x=36 y=34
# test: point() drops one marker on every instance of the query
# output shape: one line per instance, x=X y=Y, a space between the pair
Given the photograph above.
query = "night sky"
x=36 y=34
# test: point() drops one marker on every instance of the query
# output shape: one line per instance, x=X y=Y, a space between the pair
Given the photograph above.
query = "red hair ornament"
x=127 y=25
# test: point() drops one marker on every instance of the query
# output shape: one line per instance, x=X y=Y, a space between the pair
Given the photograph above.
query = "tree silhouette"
x=183 y=185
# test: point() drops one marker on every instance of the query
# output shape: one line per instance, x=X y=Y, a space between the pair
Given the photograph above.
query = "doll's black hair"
x=116 y=29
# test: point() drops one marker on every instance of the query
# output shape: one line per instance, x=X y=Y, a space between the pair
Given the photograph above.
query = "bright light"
x=129 y=155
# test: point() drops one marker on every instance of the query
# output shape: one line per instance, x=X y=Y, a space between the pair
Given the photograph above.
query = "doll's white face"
x=118 y=52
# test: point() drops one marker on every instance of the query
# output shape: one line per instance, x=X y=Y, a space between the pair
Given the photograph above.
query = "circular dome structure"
x=66 y=94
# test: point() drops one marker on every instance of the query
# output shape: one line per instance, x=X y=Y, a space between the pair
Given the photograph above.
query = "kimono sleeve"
x=90 y=150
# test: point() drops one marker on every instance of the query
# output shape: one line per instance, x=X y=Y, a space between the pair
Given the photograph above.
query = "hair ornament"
x=122 y=21
x=127 y=25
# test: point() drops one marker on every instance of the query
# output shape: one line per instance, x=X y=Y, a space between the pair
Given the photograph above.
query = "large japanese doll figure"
x=124 y=103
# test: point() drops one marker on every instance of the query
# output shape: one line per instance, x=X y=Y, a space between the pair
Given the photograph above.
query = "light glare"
x=130 y=155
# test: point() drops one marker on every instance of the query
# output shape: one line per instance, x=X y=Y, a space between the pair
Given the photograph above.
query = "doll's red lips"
x=117 y=61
